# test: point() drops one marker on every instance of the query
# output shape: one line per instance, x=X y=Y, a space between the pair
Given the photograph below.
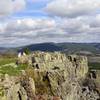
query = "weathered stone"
x=53 y=76
x=17 y=93
x=12 y=90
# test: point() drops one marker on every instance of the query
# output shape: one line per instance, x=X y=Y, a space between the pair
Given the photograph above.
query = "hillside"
x=66 y=47
x=44 y=47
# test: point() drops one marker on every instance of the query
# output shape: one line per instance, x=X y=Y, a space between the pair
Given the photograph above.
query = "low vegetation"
x=11 y=70
x=7 y=68
x=94 y=66
x=7 y=60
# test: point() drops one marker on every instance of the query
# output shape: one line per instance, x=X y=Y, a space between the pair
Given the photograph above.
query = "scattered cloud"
x=49 y=21
x=72 y=8
x=46 y=30
x=11 y=6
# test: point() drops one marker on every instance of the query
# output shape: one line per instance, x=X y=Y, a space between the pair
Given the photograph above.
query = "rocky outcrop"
x=64 y=76
x=53 y=70
x=74 y=65
x=12 y=90
x=52 y=76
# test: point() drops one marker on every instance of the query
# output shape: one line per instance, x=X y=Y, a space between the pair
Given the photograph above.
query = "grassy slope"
x=74 y=47
x=6 y=60
x=68 y=47
x=94 y=65
x=9 y=69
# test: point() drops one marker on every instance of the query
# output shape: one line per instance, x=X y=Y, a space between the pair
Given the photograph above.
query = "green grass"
x=13 y=71
x=6 y=60
x=10 y=69
x=95 y=66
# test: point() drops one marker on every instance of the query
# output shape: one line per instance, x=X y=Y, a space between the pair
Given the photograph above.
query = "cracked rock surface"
x=53 y=76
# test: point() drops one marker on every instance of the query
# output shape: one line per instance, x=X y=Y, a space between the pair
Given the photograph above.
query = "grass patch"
x=94 y=66
x=6 y=60
x=11 y=70
x=22 y=66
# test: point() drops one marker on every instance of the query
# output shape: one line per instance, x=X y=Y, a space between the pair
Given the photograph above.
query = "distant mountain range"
x=3 y=50
x=65 y=47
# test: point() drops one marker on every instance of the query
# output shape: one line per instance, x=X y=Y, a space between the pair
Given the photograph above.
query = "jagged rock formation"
x=74 y=65
x=11 y=89
x=53 y=76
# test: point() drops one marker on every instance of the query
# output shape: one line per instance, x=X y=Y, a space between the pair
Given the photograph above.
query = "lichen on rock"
x=52 y=76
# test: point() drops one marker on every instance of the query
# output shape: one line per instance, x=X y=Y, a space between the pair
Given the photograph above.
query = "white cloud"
x=28 y=24
x=28 y=30
x=5 y=7
x=72 y=8
x=19 y=5
x=38 y=0
x=74 y=26
x=81 y=22
x=10 y=6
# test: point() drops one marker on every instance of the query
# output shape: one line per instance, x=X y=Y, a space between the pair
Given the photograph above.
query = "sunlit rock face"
x=12 y=89
x=64 y=75
x=52 y=76
x=73 y=65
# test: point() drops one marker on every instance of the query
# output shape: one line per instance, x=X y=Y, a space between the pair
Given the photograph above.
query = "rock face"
x=64 y=76
x=74 y=65
x=52 y=76
x=12 y=90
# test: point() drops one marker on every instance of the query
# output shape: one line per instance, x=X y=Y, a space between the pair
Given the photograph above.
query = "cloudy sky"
x=25 y=22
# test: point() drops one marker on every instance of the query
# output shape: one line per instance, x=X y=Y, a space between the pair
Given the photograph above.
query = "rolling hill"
x=65 y=47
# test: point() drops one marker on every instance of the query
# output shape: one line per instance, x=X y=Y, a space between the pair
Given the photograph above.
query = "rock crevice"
x=53 y=76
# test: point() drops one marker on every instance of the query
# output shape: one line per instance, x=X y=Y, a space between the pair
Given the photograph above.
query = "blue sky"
x=33 y=9
x=24 y=22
